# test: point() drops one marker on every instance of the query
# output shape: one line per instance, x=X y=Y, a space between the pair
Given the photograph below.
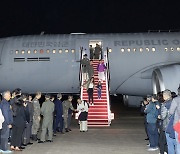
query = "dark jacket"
x=165 y=116
x=7 y=113
x=20 y=118
x=58 y=107
x=152 y=113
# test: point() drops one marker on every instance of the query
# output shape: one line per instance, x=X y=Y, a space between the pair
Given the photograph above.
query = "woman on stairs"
x=89 y=85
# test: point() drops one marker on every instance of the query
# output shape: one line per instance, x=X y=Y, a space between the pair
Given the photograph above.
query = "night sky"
x=21 y=17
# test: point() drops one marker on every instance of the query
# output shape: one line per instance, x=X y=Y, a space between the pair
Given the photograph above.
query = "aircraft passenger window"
x=29 y=51
x=35 y=51
x=22 y=51
x=122 y=50
x=48 y=51
x=153 y=49
x=166 y=49
x=178 y=48
x=17 y=51
x=60 y=50
x=66 y=50
x=72 y=50
x=54 y=51
x=41 y=51
x=147 y=49
x=128 y=49
x=134 y=49
x=141 y=49
x=172 y=49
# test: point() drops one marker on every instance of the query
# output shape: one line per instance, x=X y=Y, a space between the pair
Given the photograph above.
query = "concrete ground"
x=125 y=136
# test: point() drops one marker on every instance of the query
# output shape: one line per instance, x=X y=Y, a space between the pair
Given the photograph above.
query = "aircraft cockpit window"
x=134 y=49
x=22 y=51
x=128 y=49
x=54 y=51
x=166 y=49
x=29 y=51
x=178 y=48
x=141 y=49
x=48 y=51
x=35 y=51
x=122 y=49
x=153 y=49
x=72 y=50
x=60 y=50
x=172 y=49
x=66 y=50
x=147 y=49
x=17 y=51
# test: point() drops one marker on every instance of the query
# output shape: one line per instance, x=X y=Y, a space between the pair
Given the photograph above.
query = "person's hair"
x=38 y=93
x=167 y=92
x=19 y=101
x=160 y=97
x=70 y=97
x=155 y=96
x=47 y=96
x=17 y=91
x=5 y=92
x=173 y=94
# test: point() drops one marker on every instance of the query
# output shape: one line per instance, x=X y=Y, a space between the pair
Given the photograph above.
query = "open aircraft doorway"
x=94 y=42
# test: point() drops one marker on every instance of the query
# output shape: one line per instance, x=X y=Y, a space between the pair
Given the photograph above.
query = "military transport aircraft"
x=138 y=63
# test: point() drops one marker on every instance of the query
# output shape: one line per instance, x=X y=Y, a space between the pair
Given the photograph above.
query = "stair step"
x=94 y=125
x=97 y=100
x=97 y=110
x=98 y=113
x=97 y=117
x=98 y=121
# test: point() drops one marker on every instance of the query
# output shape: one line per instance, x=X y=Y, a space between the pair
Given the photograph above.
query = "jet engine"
x=167 y=77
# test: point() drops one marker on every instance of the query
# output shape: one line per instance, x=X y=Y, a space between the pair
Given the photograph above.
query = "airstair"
x=99 y=114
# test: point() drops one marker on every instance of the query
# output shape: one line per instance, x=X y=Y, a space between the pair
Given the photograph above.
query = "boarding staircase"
x=99 y=115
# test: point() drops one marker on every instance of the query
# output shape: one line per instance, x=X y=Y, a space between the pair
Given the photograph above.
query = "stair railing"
x=80 y=73
x=107 y=74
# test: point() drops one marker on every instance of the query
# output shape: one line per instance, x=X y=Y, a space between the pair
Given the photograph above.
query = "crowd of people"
x=162 y=121
x=23 y=119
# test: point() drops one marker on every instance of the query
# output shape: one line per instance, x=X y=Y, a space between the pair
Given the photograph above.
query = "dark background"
x=22 y=17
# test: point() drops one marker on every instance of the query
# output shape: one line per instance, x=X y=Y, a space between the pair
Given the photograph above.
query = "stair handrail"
x=107 y=84
x=80 y=72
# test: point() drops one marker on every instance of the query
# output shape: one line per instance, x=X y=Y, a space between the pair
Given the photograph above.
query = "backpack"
x=85 y=102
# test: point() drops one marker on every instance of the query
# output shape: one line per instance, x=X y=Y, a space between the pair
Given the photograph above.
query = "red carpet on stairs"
x=98 y=114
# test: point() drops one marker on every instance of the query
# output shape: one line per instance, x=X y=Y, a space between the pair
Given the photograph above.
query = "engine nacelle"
x=167 y=77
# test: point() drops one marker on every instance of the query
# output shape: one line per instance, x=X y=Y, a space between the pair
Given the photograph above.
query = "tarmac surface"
x=125 y=136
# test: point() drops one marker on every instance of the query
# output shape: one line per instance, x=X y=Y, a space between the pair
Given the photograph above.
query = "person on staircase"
x=82 y=108
x=85 y=65
x=91 y=50
x=99 y=89
x=101 y=70
x=89 y=85
x=90 y=70
x=97 y=52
